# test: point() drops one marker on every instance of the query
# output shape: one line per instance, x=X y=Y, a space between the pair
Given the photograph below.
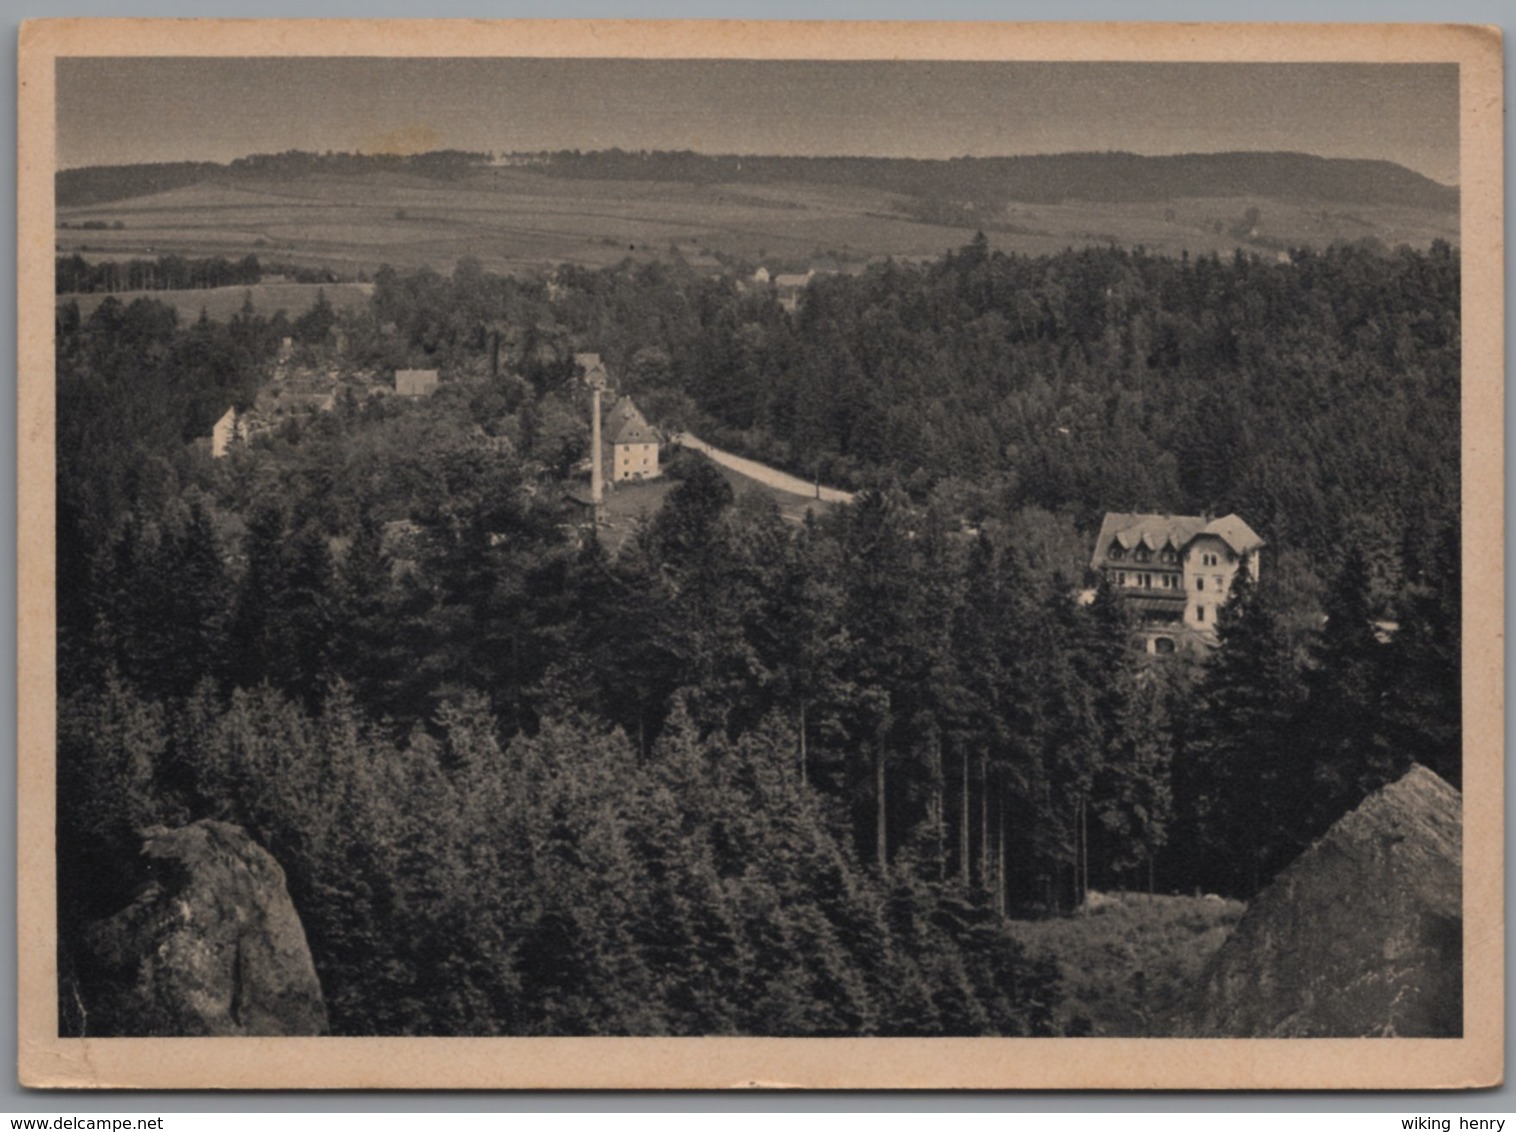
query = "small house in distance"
x=1174 y=572
x=632 y=445
x=789 y=287
x=415 y=382
x=226 y=432
x=592 y=370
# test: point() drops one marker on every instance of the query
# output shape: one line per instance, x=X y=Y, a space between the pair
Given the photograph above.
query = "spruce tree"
x=1344 y=718
x=1424 y=666
x=1246 y=778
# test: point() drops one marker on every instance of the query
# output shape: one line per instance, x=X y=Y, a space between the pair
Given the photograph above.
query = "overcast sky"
x=117 y=111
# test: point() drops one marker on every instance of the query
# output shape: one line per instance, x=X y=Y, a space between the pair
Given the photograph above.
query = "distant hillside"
x=1049 y=179
x=102 y=184
x=341 y=216
x=985 y=182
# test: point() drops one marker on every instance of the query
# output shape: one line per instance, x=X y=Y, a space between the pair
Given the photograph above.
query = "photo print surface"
x=586 y=540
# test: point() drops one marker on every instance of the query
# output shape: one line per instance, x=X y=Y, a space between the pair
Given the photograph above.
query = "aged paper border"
x=1474 y=1060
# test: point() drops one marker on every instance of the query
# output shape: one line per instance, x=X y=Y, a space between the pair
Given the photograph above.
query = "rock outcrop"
x=1361 y=936
x=210 y=946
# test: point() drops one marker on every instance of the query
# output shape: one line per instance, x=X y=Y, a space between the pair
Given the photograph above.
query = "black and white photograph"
x=635 y=540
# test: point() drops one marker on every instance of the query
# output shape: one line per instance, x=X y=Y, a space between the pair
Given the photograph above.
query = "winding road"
x=771 y=477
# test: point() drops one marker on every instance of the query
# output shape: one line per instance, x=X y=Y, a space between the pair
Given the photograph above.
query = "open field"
x=1129 y=959
x=521 y=220
x=220 y=303
x=630 y=502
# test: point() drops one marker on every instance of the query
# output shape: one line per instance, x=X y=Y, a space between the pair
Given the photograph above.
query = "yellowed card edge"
x=1475 y=1060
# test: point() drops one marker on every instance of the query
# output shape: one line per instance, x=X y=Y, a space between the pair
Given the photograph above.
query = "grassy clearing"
x=1129 y=960
x=627 y=506
x=631 y=502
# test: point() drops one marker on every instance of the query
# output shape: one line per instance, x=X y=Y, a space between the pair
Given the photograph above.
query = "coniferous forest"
x=741 y=774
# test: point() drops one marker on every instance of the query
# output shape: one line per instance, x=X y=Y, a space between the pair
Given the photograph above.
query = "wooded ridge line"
x=1033 y=178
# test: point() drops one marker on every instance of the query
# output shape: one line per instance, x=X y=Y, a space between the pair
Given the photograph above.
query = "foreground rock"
x=211 y=945
x=1362 y=936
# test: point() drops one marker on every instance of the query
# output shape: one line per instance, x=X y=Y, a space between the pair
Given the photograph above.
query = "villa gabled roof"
x=594 y=369
x=626 y=425
x=1132 y=529
x=1234 y=532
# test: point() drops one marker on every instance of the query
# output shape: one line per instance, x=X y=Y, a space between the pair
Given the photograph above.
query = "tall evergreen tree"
x=1424 y=665
x=1247 y=780
x=1344 y=718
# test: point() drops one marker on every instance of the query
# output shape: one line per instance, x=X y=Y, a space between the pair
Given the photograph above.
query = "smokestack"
x=597 y=477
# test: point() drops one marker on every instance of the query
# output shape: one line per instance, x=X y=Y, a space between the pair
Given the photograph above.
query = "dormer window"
x=1142 y=554
x=1117 y=554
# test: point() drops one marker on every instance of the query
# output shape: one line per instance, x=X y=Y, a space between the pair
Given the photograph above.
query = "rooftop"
x=627 y=425
x=1129 y=530
x=594 y=369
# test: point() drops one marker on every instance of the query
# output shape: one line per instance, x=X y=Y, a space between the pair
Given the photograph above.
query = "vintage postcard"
x=701 y=555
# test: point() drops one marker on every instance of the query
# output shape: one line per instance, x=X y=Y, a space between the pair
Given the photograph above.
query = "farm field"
x=1128 y=960
x=221 y=303
x=521 y=220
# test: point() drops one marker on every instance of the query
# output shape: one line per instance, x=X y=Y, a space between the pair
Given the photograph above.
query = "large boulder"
x=210 y=946
x=1361 y=936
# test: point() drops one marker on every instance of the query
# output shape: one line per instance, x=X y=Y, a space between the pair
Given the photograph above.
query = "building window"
x=1147 y=581
x=1200 y=613
x=1219 y=587
x=1163 y=646
x=1200 y=584
x=1116 y=552
x=1121 y=577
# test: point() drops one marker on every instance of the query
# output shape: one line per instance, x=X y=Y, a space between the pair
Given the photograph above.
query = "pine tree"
x=196 y=604
x=1133 y=791
x=1344 y=717
x=1424 y=665
x=1246 y=781
x=252 y=634
x=365 y=650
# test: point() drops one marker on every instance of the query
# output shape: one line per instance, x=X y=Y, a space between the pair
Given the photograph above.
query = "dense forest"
x=747 y=776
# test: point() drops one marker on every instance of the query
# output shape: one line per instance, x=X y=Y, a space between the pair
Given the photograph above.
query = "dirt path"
x=771 y=477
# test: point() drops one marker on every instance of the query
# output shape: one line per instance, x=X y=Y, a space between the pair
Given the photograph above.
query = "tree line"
x=77 y=276
x=991 y=182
